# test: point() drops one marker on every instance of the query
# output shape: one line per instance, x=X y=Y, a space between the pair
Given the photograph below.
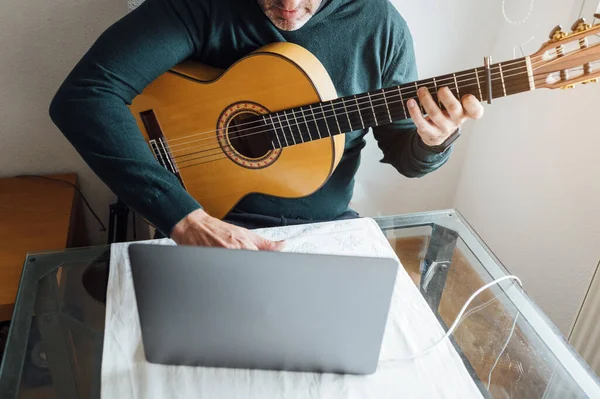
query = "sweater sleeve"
x=401 y=145
x=91 y=106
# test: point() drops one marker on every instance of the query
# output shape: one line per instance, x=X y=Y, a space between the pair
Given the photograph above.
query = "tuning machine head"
x=557 y=34
x=580 y=26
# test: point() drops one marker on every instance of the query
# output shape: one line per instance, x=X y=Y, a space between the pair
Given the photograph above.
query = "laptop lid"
x=216 y=307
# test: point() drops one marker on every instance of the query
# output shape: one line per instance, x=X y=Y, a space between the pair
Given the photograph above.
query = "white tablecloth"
x=411 y=326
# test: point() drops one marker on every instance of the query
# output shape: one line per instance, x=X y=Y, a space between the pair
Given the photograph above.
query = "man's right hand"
x=201 y=229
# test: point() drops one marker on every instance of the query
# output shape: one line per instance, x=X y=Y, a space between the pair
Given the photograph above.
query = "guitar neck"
x=380 y=107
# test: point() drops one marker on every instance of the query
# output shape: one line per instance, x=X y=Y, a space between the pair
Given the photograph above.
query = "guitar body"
x=189 y=116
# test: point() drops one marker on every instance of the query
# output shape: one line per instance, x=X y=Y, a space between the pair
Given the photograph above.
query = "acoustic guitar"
x=272 y=123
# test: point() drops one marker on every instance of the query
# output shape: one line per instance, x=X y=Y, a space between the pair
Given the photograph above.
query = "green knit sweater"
x=363 y=44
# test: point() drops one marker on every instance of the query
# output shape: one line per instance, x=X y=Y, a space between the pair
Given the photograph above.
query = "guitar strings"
x=442 y=82
x=449 y=79
x=377 y=103
x=379 y=112
x=380 y=99
x=355 y=106
x=220 y=148
x=220 y=154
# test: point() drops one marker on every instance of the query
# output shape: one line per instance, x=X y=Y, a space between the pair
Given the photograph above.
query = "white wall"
x=531 y=180
x=41 y=41
x=444 y=43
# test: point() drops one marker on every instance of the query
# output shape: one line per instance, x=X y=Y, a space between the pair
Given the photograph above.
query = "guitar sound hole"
x=248 y=136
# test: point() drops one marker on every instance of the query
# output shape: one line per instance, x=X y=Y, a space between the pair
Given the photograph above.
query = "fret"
x=347 y=115
x=274 y=129
x=343 y=122
x=517 y=80
x=402 y=102
x=290 y=127
x=328 y=119
x=372 y=109
x=325 y=119
x=436 y=90
x=352 y=107
x=479 y=85
x=456 y=85
x=362 y=122
x=387 y=107
x=315 y=120
x=417 y=97
x=299 y=126
x=392 y=106
x=502 y=78
x=336 y=119
x=282 y=131
x=305 y=122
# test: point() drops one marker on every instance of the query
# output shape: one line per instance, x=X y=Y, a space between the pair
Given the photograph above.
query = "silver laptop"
x=215 y=307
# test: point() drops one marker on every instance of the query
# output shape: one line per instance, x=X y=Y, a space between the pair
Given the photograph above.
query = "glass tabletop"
x=508 y=345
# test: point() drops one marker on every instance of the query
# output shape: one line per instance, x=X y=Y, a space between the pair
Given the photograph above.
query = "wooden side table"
x=35 y=215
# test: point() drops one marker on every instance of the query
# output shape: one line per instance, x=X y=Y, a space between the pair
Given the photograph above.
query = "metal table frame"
x=549 y=334
x=38 y=280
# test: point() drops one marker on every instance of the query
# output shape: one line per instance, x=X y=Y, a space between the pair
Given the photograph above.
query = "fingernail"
x=411 y=103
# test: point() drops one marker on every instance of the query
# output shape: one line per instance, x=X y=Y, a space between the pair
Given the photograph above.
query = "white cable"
x=458 y=319
x=512 y=330
x=518 y=22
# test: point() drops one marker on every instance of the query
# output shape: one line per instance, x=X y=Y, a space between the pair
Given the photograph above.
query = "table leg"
x=436 y=264
x=434 y=272
x=54 y=338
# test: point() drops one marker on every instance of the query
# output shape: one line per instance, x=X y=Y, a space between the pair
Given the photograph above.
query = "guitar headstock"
x=568 y=59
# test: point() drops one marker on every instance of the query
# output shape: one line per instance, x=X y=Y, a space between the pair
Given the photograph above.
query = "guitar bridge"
x=158 y=144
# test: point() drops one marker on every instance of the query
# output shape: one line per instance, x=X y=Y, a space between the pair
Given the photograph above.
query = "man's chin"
x=287 y=25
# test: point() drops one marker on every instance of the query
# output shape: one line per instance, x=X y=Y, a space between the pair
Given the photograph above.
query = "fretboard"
x=384 y=106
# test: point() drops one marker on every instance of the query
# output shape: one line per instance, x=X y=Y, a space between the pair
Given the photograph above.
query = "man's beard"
x=272 y=10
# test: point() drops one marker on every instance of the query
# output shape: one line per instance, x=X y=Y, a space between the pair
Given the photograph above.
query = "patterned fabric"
x=411 y=327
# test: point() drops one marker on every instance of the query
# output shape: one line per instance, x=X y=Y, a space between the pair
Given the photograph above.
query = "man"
x=363 y=44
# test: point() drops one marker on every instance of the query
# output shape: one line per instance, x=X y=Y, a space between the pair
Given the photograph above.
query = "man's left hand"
x=438 y=125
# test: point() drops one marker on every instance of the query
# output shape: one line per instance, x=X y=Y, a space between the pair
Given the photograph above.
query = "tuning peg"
x=596 y=16
x=580 y=25
x=557 y=34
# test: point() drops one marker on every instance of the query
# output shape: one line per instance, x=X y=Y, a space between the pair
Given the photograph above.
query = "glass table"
x=508 y=345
